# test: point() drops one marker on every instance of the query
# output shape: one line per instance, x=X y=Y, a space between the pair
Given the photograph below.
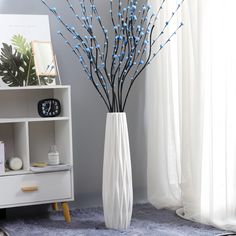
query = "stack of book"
x=2 y=158
x=48 y=168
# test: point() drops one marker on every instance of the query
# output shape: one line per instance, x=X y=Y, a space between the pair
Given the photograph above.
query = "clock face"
x=49 y=107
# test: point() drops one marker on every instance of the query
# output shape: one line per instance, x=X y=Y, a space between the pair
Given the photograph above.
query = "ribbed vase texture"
x=117 y=174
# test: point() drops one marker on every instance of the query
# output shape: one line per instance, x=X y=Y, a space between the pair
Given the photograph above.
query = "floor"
x=89 y=222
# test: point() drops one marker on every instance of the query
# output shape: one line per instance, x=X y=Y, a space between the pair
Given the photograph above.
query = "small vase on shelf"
x=53 y=156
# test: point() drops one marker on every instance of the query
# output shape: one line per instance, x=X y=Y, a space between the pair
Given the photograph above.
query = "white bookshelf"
x=29 y=136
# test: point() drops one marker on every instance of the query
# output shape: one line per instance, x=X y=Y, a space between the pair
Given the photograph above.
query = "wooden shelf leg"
x=66 y=211
x=55 y=206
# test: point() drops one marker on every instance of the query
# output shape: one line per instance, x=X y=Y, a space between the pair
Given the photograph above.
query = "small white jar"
x=15 y=163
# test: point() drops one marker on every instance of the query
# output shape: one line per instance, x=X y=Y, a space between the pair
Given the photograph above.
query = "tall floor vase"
x=117 y=174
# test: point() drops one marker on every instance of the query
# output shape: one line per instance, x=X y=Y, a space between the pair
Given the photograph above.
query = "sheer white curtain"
x=191 y=116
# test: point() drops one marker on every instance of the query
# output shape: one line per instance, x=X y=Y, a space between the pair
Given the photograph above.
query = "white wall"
x=89 y=113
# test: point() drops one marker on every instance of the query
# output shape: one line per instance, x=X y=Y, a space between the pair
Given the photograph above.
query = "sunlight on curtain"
x=191 y=116
x=218 y=198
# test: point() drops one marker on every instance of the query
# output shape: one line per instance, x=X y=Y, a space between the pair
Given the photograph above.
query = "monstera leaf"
x=28 y=67
x=20 y=44
x=10 y=66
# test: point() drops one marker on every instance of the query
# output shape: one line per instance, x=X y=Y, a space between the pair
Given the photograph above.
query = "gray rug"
x=146 y=221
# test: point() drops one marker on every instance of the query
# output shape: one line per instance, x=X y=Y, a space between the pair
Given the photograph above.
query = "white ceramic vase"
x=117 y=188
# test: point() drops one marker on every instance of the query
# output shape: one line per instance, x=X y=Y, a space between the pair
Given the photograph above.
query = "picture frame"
x=45 y=63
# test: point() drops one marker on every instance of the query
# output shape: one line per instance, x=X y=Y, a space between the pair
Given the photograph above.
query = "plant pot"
x=117 y=188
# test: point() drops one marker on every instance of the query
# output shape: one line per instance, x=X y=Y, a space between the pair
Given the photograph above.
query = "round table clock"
x=49 y=107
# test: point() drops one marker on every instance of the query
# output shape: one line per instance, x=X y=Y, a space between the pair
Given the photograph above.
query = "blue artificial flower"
x=53 y=9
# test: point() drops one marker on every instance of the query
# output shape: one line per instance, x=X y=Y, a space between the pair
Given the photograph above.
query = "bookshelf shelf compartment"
x=22 y=102
x=14 y=136
x=45 y=133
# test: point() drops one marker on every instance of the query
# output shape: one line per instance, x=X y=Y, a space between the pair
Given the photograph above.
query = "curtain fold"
x=191 y=115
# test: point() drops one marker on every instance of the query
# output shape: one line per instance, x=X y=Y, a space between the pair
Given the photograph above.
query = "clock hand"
x=50 y=106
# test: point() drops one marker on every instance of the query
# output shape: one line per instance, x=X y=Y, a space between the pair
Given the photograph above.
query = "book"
x=59 y=167
x=2 y=158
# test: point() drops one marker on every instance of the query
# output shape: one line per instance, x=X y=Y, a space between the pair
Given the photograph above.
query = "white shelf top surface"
x=31 y=119
x=35 y=87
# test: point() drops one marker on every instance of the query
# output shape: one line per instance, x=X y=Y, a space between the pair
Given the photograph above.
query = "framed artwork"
x=17 y=61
